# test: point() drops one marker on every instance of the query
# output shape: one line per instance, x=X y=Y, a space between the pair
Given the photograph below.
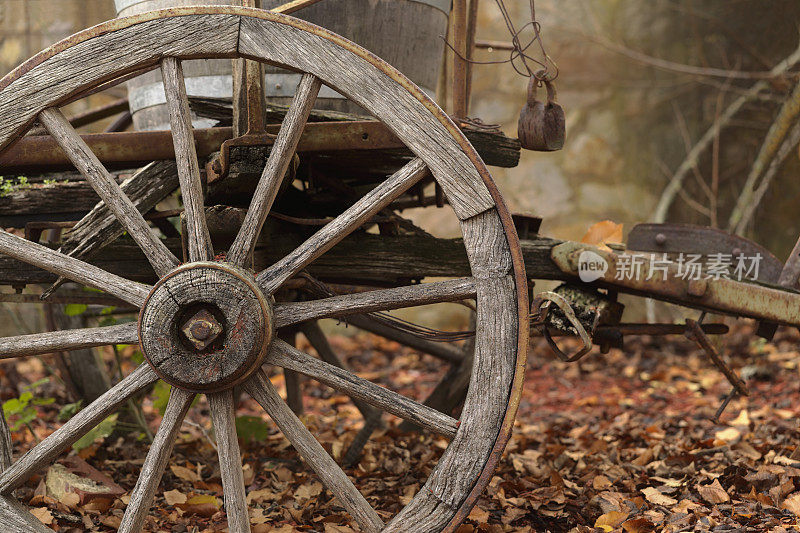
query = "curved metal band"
x=441 y=5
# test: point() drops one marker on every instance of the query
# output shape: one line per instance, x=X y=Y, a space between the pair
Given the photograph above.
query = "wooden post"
x=472 y=26
x=459 y=63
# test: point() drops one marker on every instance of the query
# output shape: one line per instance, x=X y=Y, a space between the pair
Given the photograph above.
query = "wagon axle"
x=202 y=329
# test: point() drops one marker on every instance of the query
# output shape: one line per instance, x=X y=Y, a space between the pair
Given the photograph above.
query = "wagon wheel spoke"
x=230 y=460
x=199 y=240
x=262 y=390
x=108 y=190
x=278 y=162
x=341 y=226
x=283 y=355
x=74 y=269
x=62 y=341
x=378 y=300
x=46 y=451
x=156 y=461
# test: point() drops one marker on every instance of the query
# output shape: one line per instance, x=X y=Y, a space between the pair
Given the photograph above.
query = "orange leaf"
x=603 y=232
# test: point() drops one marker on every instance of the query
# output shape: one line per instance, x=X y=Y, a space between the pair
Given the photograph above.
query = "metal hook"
x=542 y=303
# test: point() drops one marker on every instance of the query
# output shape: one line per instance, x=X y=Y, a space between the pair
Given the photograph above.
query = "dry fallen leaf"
x=713 y=493
x=70 y=499
x=308 y=491
x=792 y=503
x=184 y=473
x=603 y=232
x=638 y=525
x=655 y=496
x=174 y=497
x=728 y=435
x=479 y=515
x=611 y=520
x=43 y=514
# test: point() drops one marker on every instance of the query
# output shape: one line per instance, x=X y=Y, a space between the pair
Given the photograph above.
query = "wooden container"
x=204 y=77
x=406 y=33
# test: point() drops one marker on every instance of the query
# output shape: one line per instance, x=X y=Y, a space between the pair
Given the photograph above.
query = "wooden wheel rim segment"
x=234 y=301
x=142 y=41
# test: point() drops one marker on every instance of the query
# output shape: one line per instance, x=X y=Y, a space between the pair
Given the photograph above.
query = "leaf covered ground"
x=619 y=442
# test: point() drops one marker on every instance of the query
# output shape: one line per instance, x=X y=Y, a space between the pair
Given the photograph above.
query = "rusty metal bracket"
x=696 y=333
x=726 y=296
x=539 y=309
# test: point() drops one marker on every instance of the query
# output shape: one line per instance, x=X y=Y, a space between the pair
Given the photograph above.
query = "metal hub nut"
x=202 y=329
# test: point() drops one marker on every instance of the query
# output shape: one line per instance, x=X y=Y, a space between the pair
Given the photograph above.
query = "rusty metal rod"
x=696 y=333
x=42 y=152
x=93 y=115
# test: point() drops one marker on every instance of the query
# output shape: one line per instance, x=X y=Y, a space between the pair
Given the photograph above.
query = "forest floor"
x=619 y=442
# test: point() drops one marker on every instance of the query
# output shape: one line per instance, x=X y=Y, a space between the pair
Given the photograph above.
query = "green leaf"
x=69 y=410
x=161 y=396
x=37 y=384
x=251 y=428
x=43 y=401
x=14 y=406
x=100 y=431
x=137 y=357
x=74 y=309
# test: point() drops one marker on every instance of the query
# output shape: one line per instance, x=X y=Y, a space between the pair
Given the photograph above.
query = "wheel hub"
x=205 y=326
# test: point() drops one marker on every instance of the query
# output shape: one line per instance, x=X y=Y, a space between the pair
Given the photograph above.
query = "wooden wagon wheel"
x=208 y=325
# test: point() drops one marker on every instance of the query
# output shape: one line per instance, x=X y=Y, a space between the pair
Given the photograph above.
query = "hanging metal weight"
x=542 y=126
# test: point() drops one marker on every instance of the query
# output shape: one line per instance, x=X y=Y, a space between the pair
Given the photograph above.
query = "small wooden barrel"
x=204 y=77
x=405 y=33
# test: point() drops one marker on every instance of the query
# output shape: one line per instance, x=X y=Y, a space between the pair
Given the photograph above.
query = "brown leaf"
x=655 y=496
x=792 y=503
x=611 y=520
x=713 y=493
x=43 y=514
x=479 y=515
x=603 y=232
x=174 y=497
x=184 y=473
x=638 y=525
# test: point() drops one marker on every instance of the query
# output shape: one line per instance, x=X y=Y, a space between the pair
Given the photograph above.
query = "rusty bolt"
x=661 y=239
x=201 y=329
x=697 y=287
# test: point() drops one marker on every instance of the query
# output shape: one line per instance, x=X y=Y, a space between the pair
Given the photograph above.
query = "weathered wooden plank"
x=199 y=240
x=360 y=257
x=367 y=85
x=58 y=341
x=99 y=227
x=107 y=188
x=46 y=451
x=262 y=391
x=278 y=162
x=18 y=519
x=230 y=460
x=47 y=199
x=74 y=269
x=344 y=224
x=285 y=356
x=156 y=461
x=378 y=300
x=64 y=71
